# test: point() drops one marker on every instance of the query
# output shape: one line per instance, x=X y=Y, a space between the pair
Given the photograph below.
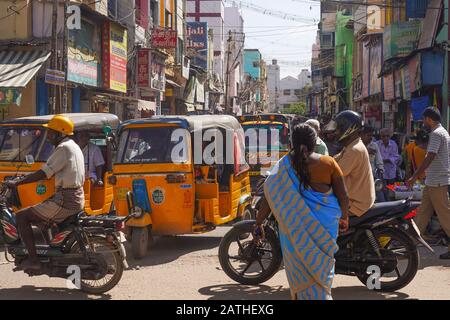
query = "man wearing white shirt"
x=93 y=158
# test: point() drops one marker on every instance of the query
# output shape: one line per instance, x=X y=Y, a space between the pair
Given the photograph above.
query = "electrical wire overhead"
x=273 y=13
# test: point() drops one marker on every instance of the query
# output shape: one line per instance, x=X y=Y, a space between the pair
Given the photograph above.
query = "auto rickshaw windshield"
x=16 y=143
x=154 y=145
x=253 y=141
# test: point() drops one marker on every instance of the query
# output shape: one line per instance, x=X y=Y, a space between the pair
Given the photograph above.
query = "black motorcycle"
x=90 y=244
x=385 y=237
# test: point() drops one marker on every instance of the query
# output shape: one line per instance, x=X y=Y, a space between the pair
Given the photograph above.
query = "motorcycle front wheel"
x=246 y=261
x=107 y=266
x=401 y=248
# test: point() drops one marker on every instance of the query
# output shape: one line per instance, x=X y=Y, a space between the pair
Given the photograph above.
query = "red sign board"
x=164 y=39
x=114 y=57
x=143 y=72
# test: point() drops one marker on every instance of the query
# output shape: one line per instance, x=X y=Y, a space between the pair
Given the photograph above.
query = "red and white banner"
x=164 y=39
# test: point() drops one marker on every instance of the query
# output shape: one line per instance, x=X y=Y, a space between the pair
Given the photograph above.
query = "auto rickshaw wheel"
x=139 y=242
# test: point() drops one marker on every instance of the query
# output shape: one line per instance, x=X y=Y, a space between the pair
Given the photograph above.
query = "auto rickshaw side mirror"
x=29 y=159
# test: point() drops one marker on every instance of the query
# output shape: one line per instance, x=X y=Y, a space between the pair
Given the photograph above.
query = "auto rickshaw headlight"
x=137 y=212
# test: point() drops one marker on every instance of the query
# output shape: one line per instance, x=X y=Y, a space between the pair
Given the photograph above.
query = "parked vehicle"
x=90 y=243
x=26 y=136
x=386 y=237
x=186 y=194
x=262 y=151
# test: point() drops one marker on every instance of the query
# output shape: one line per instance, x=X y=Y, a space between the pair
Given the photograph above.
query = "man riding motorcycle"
x=66 y=163
x=354 y=161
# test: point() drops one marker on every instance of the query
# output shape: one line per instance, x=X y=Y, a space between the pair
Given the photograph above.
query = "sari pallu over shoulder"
x=308 y=224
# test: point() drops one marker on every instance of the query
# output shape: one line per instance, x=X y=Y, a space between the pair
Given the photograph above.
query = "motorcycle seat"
x=378 y=209
x=73 y=219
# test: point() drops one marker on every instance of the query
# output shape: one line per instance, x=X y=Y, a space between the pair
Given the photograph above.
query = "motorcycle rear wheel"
x=404 y=247
x=236 y=235
x=116 y=265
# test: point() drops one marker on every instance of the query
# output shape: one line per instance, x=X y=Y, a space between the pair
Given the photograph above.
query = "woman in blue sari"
x=306 y=193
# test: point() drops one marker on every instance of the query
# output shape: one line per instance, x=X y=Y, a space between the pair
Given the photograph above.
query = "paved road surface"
x=187 y=267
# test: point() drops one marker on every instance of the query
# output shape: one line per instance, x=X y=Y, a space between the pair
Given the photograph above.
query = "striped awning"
x=18 y=67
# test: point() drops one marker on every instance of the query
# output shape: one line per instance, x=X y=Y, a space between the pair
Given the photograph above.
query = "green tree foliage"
x=296 y=108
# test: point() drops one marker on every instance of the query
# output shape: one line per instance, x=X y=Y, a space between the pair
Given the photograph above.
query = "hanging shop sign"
x=388 y=86
x=400 y=39
x=398 y=84
x=375 y=68
x=83 y=54
x=406 y=83
x=115 y=56
x=151 y=70
x=164 y=38
x=414 y=73
x=10 y=96
x=365 y=76
x=54 y=77
x=197 y=43
x=186 y=67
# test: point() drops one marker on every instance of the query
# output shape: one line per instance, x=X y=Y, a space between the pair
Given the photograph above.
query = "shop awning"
x=146 y=105
x=18 y=67
x=172 y=83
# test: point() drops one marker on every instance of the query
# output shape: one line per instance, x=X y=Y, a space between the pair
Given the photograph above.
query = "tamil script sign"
x=400 y=39
x=164 y=39
x=54 y=77
x=115 y=57
x=83 y=55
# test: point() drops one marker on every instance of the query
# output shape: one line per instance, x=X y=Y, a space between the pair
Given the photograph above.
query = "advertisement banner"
x=83 y=55
x=164 y=39
x=388 y=81
x=143 y=72
x=406 y=83
x=151 y=70
x=10 y=96
x=400 y=39
x=197 y=43
x=414 y=73
x=115 y=57
x=375 y=69
x=365 y=72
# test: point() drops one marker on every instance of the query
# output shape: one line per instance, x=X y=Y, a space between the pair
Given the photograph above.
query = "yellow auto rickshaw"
x=25 y=138
x=183 y=174
x=267 y=139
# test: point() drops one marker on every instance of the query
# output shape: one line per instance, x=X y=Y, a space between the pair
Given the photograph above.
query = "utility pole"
x=227 y=75
x=65 y=63
x=54 y=61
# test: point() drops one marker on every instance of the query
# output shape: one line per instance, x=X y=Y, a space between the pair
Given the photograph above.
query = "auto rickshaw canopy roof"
x=191 y=123
x=81 y=121
x=273 y=117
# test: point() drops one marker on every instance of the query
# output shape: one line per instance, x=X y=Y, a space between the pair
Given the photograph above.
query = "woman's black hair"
x=303 y=143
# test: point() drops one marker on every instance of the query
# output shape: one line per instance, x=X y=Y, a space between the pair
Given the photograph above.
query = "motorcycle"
x=386 y=237
x=90 y=244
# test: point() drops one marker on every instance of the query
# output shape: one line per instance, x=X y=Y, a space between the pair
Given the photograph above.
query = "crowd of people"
x=328 y=176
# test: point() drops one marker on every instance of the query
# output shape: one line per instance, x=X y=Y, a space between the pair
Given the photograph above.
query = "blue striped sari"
x=308 y=227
